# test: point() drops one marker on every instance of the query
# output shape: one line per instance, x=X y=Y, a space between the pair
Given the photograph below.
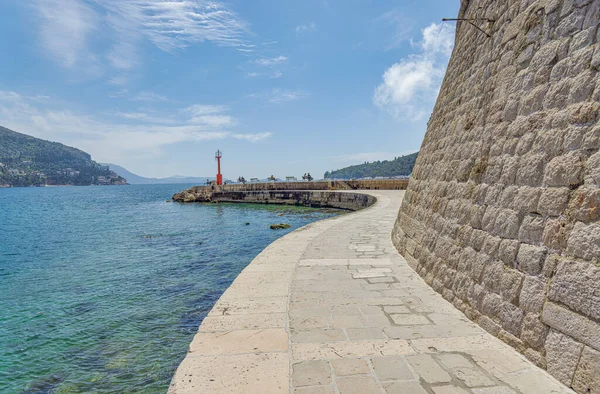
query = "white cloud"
x=149 y=96
x=402 y=27
x=120 y=80
x=202 y=109
x=306 y=28
x=177 y=24
x=252 y=137
x=279 y=96
x=273 y=61
x=438 y=39
x=273 y=75
x=267 y=67
x=119 y=136
x=410 y=87
x=66 y=28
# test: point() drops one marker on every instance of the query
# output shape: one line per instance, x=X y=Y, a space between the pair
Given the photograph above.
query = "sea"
x=102 y=288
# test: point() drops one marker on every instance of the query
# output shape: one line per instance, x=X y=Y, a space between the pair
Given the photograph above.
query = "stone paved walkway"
x=334 y=309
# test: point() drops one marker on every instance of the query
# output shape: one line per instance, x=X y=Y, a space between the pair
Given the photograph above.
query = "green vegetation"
x=29 y=161
x=400 y=166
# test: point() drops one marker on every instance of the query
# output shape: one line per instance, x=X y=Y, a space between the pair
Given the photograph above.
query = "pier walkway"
x=332 y=308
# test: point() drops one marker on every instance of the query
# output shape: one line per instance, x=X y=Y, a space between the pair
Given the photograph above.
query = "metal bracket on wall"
x=470 y=21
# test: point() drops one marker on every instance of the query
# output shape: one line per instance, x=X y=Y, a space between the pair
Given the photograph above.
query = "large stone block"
x=527 y=199
x=573 y=324
x=565 y=170
x=534 y=331
x=556 y=233
x=577 y=285
x=491 y=304
x=584 y=241
x=553 y=201
x=562 y=356
x=506 y=224
x=593 y=165
x=531 y=170
x=587 y=375
x=585 y=204
x=511 y=318
x=507 y=251
x=530 y=259
x=510 y=285
x=533 y=294
x=532 y=229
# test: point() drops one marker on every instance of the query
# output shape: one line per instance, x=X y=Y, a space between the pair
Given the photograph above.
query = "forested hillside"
x=400 y=166
x=29 y=161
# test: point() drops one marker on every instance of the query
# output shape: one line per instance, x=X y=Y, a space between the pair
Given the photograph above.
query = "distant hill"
x=134 y=179
x=30 y=161
x=400 y=166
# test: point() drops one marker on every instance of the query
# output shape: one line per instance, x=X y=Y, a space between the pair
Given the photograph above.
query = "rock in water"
x=280 y=226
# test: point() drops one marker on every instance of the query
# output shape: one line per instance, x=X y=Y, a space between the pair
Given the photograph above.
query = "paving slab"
x=333 y=308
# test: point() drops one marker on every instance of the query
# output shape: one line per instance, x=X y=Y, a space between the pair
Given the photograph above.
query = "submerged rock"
x=280 y=226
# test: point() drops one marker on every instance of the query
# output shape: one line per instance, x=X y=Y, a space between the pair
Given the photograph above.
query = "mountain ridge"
x=135 y=179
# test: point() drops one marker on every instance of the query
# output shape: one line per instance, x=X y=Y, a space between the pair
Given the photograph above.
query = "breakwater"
x=328 y=194
x=502 y=212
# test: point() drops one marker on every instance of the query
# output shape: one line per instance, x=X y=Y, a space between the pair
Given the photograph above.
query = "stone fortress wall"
x=502 y=212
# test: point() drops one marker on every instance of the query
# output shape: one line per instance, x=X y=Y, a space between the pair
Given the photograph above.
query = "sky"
x=282 y=87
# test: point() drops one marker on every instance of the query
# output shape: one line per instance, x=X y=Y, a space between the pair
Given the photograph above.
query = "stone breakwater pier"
x=333 y=308
x=292 y=193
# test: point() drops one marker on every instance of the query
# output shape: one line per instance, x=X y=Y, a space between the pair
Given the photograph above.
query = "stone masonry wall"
x=502 y=212
x=316 y=199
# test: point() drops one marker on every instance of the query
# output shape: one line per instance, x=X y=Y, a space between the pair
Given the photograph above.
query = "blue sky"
x=281 y=87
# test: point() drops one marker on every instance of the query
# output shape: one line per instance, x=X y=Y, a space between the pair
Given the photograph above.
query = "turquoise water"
x=103 y=288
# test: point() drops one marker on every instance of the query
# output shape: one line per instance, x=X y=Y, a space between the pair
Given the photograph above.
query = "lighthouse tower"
x=218 y=156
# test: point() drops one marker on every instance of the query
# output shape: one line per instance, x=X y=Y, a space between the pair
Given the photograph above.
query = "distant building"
x=291 y=179
x=254 y=180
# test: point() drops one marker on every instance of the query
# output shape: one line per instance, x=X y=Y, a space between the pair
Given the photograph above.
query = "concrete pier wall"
x=317 y=199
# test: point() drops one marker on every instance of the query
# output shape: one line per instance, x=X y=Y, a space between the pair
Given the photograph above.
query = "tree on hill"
x=29 y=161
x=400 y=166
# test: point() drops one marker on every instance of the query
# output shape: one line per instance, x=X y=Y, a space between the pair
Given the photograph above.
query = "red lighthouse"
x=218 y=156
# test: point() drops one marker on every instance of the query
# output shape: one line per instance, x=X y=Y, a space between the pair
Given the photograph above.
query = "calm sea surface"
x=103 y=288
